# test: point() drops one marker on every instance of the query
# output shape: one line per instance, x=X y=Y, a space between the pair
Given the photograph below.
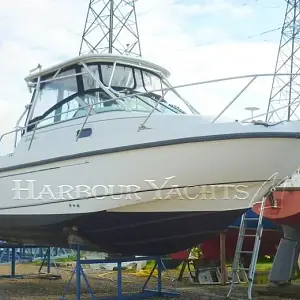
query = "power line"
x=265 y=32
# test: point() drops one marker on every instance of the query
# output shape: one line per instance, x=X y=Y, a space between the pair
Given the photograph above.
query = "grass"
x=150 y=264
x=263 y=266
x=57 y=260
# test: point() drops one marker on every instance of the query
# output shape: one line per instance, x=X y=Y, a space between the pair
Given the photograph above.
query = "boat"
x=107 y=162
x=271 y=236
x=283 y=205
x=210 y=249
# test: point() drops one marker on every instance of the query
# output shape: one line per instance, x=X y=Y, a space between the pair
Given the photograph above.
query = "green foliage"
x=150 y=264
x=57 y=260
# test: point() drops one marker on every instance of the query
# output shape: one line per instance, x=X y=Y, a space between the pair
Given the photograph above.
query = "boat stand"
x=145 y=293
x=285 y=263
x=49 y=259
x=13 y=257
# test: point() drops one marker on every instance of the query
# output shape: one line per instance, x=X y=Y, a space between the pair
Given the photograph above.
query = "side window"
x=88 y=81
x=106 y=71
x=53 y=92
x=48 y=120
x=69 y=109
x=66 y=111
x=123 y=77
x=139 y=81
x=46 y=98
x=151 y=82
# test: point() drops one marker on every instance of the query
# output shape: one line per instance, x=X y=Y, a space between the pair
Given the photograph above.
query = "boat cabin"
x=97 y=83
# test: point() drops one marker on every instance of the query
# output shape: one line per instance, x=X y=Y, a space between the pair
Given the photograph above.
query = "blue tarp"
x=253 y=225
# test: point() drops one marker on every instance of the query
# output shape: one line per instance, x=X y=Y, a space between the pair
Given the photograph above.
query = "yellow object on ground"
x=145 y=273
x=104 y=274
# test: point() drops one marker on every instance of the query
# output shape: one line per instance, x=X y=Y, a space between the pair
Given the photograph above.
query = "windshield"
x=68 y=95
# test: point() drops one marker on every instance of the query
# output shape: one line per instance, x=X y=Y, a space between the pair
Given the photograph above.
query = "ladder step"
x=240 y=269
x=251 y=219
x=248 y=235
x=244 y=251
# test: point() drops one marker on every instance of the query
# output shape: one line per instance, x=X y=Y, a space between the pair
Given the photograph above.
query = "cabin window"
x=70 y=109
x=151 y=82
x=106 y=71
x=88 y=81
x=139 y=81
x=101 y=102
x=54 y=91
x=147 y=82
x=66 y=111
x=59 y=98
x=121 y=77
x=140 y=103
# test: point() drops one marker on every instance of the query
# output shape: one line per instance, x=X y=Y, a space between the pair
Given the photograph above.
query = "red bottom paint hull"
x=211 y=247
x=284 y=209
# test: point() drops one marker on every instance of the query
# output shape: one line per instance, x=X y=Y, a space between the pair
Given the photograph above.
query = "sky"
x=194 y=39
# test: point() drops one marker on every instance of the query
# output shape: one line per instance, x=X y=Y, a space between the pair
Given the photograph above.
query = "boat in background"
x=271 y=236
x=106 y=162
x=210 y=248
x=283 y=207
x=283 y=204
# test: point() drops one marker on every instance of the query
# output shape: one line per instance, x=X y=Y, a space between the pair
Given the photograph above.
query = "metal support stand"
x=184 y=264
x=145 y=293
x=13 y=263
x=224 y=274
x=49 y=259
x=29 y=253
x=13 y=257
x=286 y=258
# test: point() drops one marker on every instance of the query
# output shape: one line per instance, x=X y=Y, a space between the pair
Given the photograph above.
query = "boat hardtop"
x=101 y=58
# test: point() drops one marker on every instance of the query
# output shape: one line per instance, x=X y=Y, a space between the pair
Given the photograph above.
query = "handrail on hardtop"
x=164 y=91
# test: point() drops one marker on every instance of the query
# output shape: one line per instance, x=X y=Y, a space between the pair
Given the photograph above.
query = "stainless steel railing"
x=164 y=91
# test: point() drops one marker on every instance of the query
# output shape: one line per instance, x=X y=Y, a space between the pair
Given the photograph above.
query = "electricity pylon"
x=111 y=27
x=285 y=91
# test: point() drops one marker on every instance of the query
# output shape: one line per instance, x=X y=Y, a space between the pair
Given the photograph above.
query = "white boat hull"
x=150 y=195
x=166 y=178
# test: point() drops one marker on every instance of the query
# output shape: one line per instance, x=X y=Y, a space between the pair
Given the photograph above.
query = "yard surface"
x=33 y=286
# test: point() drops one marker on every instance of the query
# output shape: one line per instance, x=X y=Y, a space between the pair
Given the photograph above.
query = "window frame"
x=78 y=68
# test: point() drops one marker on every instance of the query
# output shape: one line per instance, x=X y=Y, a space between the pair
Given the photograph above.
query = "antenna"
x=286 y=89
x=111 y=27
x=252 y=109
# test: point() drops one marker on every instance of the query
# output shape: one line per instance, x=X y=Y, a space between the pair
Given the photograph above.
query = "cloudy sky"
x=195 y=39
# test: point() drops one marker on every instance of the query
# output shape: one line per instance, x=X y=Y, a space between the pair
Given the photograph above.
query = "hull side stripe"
x=208 y=138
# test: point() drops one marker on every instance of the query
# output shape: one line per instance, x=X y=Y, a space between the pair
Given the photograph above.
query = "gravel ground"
x=103 y=283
